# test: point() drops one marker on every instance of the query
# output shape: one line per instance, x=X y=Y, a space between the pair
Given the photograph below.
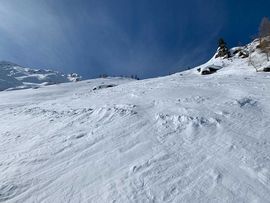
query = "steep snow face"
x=13 y=77
x=181 y=138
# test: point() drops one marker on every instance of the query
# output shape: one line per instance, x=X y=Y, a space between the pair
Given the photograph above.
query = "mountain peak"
x=237 y=60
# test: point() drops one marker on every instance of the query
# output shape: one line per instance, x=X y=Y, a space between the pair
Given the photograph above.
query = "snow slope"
x=13 y=77
x=180 y=138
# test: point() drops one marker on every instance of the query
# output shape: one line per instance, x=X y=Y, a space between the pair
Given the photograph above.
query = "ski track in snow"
x=181 y=138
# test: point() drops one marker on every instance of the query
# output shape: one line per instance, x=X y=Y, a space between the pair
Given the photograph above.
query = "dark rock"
x=104 y=86
x=267 y=69
x=209 y=69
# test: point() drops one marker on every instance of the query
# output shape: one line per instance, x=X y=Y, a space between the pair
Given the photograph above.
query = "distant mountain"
x=13 y=76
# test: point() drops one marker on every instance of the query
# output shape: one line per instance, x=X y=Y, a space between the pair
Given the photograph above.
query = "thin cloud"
x=93 y=37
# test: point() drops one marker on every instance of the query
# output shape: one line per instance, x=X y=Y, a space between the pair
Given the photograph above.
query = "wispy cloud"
x=123 y=37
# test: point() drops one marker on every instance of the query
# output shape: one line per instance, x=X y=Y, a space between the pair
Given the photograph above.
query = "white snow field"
x=180 y=138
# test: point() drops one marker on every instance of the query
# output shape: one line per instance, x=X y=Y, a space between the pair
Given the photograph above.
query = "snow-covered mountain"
x=186 y=137
x=13 y=76
x=248 y=58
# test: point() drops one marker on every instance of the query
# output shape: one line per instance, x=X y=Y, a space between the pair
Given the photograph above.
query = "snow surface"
x=180 y=138
x=14 y=77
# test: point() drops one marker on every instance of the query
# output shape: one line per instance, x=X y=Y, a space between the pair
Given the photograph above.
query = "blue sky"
x=123 y=37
